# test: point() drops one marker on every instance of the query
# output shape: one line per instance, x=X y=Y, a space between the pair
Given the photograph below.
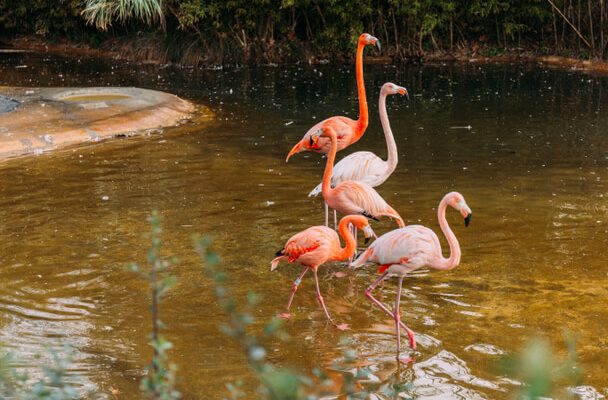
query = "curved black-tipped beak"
x=378 y=45
x=467 y=219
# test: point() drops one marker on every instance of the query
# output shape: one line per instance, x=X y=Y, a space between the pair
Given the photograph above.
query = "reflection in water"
x=533 y=165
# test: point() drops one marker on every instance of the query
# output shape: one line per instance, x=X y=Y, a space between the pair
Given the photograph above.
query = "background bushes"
x=241 y=31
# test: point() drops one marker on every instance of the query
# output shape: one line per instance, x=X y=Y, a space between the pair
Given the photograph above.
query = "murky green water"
x=533 y=168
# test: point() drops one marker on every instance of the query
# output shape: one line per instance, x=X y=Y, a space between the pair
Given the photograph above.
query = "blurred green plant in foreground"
x=159 y=383
x=537 y=368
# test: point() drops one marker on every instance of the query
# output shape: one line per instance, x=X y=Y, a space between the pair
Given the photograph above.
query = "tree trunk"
x=591 y=29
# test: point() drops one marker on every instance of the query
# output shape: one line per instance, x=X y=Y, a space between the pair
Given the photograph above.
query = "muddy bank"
x=147 y=50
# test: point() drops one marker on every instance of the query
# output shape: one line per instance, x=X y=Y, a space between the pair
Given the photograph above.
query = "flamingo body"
x=315 y=246
x=365 y=166
x=348 y=130
x=409 y=248
x=361 y=166
x=403 y=250
x=352 y=197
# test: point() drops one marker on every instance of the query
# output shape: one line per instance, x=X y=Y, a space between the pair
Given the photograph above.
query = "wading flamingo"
x=407 y=249
x=348 y=130
x=351 y=197
x=365 y=166
x=315 y=246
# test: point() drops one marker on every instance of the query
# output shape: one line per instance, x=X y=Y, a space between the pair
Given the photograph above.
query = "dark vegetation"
x=263 y=31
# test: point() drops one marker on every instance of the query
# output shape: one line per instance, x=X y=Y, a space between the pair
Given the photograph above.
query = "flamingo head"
x=391 y=88
x=367 y=39
x=325 y=131
x=456 y=200
x=362 y=223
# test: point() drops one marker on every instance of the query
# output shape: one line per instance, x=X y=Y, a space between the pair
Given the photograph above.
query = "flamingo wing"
x=312 y=246
x=414 y=245
x=345 y=131
x=362 y=166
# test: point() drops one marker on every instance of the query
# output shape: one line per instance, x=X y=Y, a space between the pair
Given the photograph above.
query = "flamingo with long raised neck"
x=317 y=245
x=365 y=166
x=349 y=131
x=352 y=197
x=404 y=250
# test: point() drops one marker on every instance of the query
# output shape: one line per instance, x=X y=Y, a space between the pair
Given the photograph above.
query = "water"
x=533 y=168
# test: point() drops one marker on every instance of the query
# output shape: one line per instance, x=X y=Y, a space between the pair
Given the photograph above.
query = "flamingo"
x=404 y=250
x=349 y=131
x=351 y=197
x=365 y=166
x=315 y=246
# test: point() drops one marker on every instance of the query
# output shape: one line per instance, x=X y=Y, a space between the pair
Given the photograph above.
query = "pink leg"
x=353 y=231
x=294 y=289
x=335 y=220
x=342 y=327
x=326 y=214
x=368 y=294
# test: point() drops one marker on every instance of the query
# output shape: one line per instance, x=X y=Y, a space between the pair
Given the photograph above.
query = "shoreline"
x=107 y=50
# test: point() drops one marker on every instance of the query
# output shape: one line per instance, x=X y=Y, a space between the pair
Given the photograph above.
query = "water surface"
x=532 y=166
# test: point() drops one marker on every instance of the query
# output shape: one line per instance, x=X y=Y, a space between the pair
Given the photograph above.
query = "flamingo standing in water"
x=365 y=166
x=315 y=246
x=349 y=131
x=351 y=197
x=407 y=249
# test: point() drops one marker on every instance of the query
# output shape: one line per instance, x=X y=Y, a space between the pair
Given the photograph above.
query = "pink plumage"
x=406 y=249
x=317 y=245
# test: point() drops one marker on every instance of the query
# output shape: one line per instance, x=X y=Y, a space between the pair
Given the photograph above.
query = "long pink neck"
x=393 y=156
x=329 y=166
x=349 y=241
x=454 y=259
x=363 y=115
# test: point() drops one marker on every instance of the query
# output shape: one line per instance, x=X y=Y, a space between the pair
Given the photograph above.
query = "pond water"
x=533 y=167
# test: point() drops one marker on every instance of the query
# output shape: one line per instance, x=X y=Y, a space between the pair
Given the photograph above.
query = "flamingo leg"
x=397 y=316
x=342 y=327
x=368 y=294
x=353 y=231
x=335 y=220
x=294 y=289
x=326 y=214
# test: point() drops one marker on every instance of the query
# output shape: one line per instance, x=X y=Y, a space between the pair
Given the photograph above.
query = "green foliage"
x=159 y=384
x=539 y=371
x=266 y=30
x=51 y=386
x=102 y=13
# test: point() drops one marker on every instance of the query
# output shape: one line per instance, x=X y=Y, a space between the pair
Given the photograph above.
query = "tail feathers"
x=395 y=216
x=275 y=263
x=362 y=259
x=316 y=191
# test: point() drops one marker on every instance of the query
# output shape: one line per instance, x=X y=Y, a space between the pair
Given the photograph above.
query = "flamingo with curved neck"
x=404 y=250
x=317 y=245
x=349 y=131
x=365 y=166
x=352 y=197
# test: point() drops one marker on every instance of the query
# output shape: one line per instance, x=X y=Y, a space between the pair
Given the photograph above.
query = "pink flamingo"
x=404 y=250
x=365 y=166
x=349 y=131
x=315 y=246
x=352 y=197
